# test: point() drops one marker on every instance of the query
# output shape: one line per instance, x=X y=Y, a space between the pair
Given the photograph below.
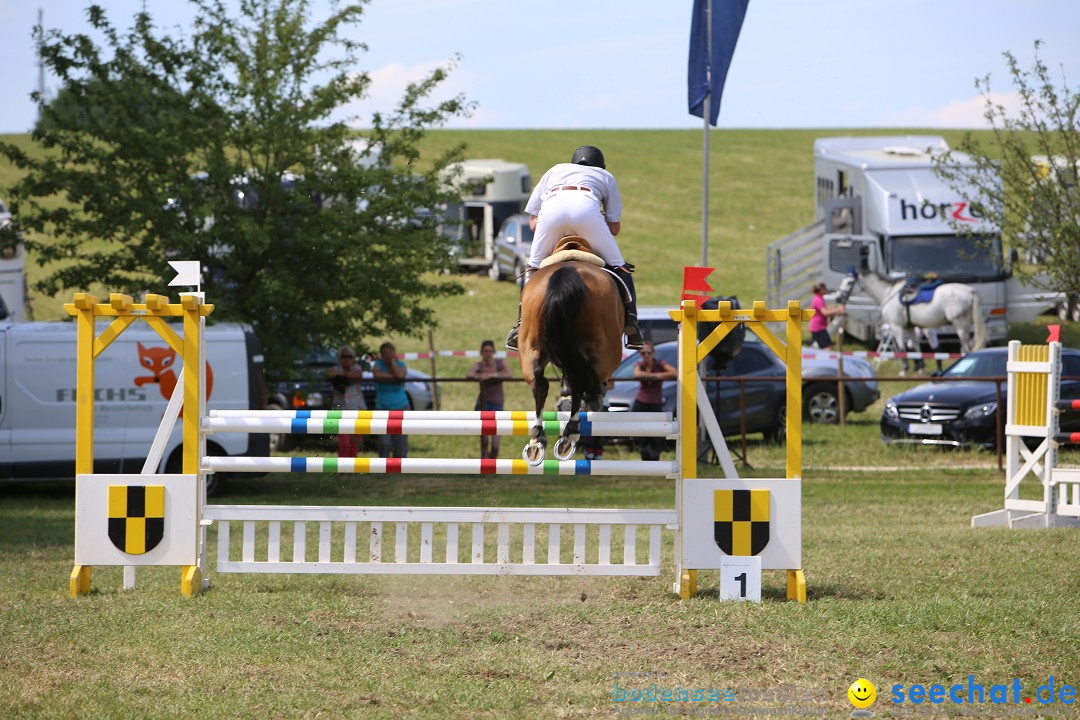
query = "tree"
x=1025 y=174
x=219 y=147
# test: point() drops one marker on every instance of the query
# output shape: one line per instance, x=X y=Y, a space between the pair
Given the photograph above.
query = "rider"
x=580 y=198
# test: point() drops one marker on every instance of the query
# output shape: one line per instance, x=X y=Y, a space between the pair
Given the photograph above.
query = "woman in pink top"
x=651 y=372
x=820 y=322
x=490 y=373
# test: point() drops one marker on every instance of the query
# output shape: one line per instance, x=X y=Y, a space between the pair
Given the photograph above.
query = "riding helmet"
x=589 y=155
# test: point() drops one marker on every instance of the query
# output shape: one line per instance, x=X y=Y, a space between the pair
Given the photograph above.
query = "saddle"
x=916 y=294
x=573 y=248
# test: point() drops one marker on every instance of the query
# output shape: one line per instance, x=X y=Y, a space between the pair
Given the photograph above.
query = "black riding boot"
x=634 y=341
x=512 y=338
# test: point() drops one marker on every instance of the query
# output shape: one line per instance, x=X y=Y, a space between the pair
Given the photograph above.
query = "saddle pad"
x=923 y=294
x=572 y=255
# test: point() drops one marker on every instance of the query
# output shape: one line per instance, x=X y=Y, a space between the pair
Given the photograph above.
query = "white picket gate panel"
x=418 y=534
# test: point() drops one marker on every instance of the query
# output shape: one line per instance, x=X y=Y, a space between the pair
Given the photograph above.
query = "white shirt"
x=599 y=181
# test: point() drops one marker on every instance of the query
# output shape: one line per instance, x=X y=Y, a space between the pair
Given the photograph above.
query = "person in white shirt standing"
x=580 y=198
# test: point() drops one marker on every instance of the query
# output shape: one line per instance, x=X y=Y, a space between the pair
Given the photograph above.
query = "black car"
x=961 y=412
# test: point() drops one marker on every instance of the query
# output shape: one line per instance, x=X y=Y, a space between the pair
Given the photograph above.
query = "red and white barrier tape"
x=887 y=355
x=464 y=354
x=451 y=353
x=830 y=354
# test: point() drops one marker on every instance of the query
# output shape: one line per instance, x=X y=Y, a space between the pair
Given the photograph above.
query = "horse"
x=572 y=316
x=953 y=303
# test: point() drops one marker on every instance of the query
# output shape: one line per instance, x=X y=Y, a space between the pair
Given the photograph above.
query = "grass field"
x=901 y=590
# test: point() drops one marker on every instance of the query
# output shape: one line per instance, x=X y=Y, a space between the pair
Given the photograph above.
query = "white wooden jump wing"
x=417 y=532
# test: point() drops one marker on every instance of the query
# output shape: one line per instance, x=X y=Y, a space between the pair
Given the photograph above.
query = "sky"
x=622 y=63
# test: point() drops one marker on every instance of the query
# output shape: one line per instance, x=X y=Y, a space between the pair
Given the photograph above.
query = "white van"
x=133 y=378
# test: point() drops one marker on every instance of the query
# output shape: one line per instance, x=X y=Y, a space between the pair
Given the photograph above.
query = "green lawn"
x=901 y=589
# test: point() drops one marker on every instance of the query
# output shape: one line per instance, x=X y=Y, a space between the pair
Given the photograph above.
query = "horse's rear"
x=572 y=317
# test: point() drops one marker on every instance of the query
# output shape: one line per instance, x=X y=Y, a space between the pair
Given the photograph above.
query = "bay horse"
x=572 y=317
x=953 y=303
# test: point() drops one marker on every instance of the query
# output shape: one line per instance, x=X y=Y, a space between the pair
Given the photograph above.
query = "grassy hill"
x=761 y=189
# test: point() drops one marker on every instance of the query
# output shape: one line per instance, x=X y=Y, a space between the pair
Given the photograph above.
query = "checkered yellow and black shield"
x=136 y=517
x=741 y=521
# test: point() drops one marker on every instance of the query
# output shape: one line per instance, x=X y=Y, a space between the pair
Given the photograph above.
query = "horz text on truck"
x=879 y=199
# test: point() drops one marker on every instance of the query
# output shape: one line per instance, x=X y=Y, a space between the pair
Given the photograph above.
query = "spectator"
x=490 y=373
x=390 y=394
x=651 y=372
x=820 y=322
x=346 y=377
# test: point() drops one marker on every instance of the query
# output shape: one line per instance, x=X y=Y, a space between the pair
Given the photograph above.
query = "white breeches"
x=573 y=212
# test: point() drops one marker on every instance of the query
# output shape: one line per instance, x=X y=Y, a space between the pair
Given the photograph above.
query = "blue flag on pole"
x=707 y=71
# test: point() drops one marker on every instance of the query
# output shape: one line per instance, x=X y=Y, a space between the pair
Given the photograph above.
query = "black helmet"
x=589 y=155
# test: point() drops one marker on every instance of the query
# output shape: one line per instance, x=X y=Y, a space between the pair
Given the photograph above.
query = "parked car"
x=764 y=400
x=310 y=390
x=513 y=245
x=958 y=412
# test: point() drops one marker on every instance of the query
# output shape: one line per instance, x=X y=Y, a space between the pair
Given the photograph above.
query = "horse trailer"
x=879 y=200
x=491 y=191
x=12 y=270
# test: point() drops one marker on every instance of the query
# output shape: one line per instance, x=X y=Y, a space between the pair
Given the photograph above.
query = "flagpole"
x=705 y=116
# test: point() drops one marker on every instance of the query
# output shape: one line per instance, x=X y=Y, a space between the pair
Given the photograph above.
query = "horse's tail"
x=563 y=302
x=979 y=342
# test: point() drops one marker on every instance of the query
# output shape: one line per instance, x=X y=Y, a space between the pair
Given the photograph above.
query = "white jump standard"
x=1034 y=409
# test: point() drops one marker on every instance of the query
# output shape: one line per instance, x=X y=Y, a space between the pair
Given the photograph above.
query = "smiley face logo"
x=862 y=693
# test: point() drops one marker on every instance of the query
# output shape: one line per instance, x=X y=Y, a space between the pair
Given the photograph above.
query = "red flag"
x=694 y=279
x=699 y=300
x=1055 y=333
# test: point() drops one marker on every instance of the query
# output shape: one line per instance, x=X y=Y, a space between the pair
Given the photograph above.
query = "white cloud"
x=857 y=106
x=967 y=113
x=611 y=101
x=388 y=87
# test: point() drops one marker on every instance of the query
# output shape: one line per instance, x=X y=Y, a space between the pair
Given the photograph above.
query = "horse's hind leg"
x=534 y=452
x=566 y=445
x=964 y=332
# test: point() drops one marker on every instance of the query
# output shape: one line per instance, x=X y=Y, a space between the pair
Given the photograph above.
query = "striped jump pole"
x=1073 y=404
x=411 y=426
x=451 y=466
x=526 y=415
x=1067 y=438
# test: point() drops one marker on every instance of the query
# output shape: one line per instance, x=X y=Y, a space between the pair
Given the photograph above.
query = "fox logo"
x=159 y=361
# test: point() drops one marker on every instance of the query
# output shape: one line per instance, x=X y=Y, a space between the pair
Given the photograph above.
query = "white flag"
x=187 y=272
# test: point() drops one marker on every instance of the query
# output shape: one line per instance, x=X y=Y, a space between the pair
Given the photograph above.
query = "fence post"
x=434 y=375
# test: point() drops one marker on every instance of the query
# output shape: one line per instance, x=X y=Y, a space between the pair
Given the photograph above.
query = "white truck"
x=134 y=377
x=492 y=191
x=879 y=197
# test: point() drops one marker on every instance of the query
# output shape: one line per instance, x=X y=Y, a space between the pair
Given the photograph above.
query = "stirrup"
x=634 y=341
x=512 y=339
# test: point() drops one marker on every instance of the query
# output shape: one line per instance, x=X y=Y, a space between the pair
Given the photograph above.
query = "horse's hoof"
x=533 y=454
x=565 y=448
